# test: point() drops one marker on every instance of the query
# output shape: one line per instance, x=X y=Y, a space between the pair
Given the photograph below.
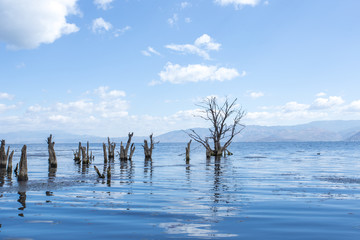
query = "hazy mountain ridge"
x=313 y=131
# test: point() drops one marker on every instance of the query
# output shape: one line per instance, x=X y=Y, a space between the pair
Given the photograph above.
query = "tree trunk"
x=132 y=150
x=52 y=155
x=111 y=147
x=187 y=152
x=9 y=166
x=3 y=158
x=148 y=148
x=23 y=171
x=105 y=153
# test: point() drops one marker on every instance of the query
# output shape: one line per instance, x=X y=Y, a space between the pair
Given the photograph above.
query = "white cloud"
x=104 y=93
x=103 y=4
x=188 y=20
x=324 y=103
x=256 y=94
x=99 y=25
x=26 y=24
x=295 y=107
x=4 y=107
x=354 y=106
x=237 y=3
x=201 y=47
x=121 y=31
x=150 y=51
x=173 y=20
x=6 y=96
x=176 y=74
x=184 y=5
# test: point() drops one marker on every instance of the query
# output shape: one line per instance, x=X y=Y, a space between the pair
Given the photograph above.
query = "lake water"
x=263 y=191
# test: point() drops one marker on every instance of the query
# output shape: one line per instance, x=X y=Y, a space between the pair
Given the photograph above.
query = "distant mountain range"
x=313 y=131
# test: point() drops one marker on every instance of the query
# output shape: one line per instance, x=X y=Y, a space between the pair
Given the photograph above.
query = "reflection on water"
x=249 y=195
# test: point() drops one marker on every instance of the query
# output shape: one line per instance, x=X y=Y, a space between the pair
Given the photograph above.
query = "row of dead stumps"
x=82 y=155
x=21 y=170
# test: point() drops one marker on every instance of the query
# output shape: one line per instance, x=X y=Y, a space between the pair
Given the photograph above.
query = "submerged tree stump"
x=124 y=150
x=82 y=154
x=148 y=148
x=105 y=153
x=111 y=149
x=23 y=171
x=187 y=152
x=3 y=157
x=52 y=155
x=77 y=154
x=9 y=166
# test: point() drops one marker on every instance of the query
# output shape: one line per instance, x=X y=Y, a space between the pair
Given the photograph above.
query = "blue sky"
x=107 y=67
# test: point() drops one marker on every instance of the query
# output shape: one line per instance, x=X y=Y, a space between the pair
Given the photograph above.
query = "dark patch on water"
x=336 y=179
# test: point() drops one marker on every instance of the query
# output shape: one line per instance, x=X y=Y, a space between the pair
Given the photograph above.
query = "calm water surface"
x=263 y=191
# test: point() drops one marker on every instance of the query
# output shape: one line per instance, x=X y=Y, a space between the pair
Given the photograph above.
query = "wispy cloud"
x=103 y=4
x=99 y=25
x=184 y=5
x=173 y=20
x=7 y=96
x=177 y=74
x=118 y=32
x=201 y=47
x=237 y=3
x=333 y=107
x=255 y=94
x=150 y=51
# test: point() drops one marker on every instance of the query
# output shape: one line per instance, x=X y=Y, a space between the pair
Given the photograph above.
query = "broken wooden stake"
x=187 y=151
x=105 y=154
x=23 y=171
x=98 y=172
x=3 y=157
x=52 y=155
x=9 y=166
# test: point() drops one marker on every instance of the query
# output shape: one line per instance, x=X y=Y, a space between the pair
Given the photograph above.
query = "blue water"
x=263 y=191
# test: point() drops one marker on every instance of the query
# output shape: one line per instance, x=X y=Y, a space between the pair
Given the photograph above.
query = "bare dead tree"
x=225 y=122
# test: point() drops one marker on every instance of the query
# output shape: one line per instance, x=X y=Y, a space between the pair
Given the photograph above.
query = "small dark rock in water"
x=48 y=193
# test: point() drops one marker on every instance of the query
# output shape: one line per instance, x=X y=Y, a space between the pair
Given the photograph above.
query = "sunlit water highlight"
x=263 y=191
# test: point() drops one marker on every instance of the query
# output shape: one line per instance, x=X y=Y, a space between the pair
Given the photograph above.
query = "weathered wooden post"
x=84 y=157
x=111 y=147
x=105 y=154
x=9 y=166
x=23 y=171
x=187 y=152
x=148 y=149
x=3 y=158
x=52 y=155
